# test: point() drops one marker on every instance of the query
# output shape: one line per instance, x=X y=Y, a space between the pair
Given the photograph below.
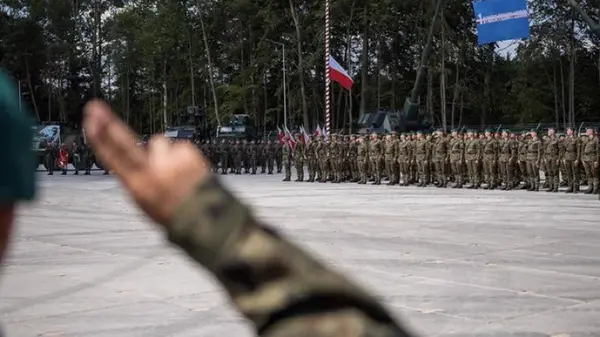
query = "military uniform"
x=457 y=158
x=472 y=157
x=280 y=289
x=422 y=153
x=286 y=155
x=299 y=159
x=375 y=154
x=439 y=159
x=589 y=159
x=390 y=159
x=552 y=160
x=490 y=161
x=534 y=156
x=571 y=159
x=311 y=158
x=362 y=159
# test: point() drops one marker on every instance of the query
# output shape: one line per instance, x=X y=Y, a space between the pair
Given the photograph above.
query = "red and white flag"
x=291 y=140
x=339 y=74
x=318 y=131
x=305 y=136
x=280 y=135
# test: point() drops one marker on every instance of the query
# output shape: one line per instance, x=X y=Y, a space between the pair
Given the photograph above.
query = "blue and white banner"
x=499 y=20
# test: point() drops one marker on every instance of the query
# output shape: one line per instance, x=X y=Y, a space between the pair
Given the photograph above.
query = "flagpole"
x=327 y=79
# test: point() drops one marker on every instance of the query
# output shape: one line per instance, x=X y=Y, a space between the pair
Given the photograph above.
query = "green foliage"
x=137 y=52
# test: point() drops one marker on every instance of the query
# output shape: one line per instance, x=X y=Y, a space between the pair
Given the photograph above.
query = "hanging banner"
x=499 y=20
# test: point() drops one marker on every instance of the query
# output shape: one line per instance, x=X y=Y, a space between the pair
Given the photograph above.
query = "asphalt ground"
x=447 y=262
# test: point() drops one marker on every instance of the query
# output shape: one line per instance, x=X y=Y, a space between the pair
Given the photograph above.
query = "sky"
x=508 y=47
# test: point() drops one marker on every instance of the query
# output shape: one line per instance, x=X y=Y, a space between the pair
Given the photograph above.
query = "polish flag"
x=291 y=140
x=305 y=136
x=318 y=131
x=280 y=135
x=339 y=74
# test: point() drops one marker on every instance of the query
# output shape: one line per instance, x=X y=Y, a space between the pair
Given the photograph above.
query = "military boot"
x=550 y=186
x=590 y=187
x=531 y=186
x=286 y=179
x=570 y=189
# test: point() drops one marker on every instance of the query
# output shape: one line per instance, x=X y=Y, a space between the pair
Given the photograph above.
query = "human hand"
x=157 y=178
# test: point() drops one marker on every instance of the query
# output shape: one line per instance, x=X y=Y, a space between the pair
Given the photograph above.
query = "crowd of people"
x=490 y=160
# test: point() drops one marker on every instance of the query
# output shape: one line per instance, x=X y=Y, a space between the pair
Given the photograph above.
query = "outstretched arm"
x=281 y=289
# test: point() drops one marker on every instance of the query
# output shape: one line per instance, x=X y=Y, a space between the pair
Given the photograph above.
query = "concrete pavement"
x=447 y=262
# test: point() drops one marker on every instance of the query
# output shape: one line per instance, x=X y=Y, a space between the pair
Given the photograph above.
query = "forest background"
x=154 y=59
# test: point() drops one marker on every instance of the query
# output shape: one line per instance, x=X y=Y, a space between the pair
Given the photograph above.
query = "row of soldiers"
x=82 y=158
x=473 y=160
x=242 y=156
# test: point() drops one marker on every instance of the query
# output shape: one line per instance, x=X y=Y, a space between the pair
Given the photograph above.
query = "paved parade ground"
x=447 y=262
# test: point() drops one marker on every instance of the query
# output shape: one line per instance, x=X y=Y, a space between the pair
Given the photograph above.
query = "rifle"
x=498 y=129
x=580 y=126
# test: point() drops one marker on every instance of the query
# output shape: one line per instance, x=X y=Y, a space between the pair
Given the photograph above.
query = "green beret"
x=489 y=130
x=533 y=130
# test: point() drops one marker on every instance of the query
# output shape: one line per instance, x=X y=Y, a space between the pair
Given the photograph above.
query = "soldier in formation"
x=490 y=160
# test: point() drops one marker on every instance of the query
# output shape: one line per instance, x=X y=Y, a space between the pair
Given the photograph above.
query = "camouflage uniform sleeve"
x=274 y=284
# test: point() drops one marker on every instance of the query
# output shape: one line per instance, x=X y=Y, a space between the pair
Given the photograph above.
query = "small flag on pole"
x=339 y=74
x=500 y=20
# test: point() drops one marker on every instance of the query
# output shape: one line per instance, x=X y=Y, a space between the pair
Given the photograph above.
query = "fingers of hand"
x=158 y=149
x=112 y=140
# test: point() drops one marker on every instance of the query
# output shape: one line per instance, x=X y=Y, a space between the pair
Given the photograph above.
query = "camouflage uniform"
x=552 y=159
x=403 y=156
x=589 y=159
x=522 y=161
x=375 y=154
x=299 y=158
x=457 y=159
x=422 y=156
x=311 y=158
x=286 y=155
x=362 y=159
x=252 y=155
x=490 y=160
x=238 y=156
x=534 y=157
x=278 y=156
x=472 y=158
x=439 y=158
x=224 y=154
x=269 y=155
x=307 y=299
x=571 y=158
x=390 y=158
x=352 y=155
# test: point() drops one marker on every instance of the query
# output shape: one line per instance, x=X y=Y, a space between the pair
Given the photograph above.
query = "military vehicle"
x=57 y=134
x=239 y=127
x=409 y=118
x=384 y=121
x=186 y=132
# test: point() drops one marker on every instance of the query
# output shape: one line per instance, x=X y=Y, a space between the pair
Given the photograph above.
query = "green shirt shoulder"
x=17 y=171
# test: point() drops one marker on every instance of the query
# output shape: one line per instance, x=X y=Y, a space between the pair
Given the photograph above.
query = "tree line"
x=153 y=59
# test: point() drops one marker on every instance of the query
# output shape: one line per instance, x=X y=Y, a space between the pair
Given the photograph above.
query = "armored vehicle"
x=384 y=121
x=184 y=132
x=239 y=127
